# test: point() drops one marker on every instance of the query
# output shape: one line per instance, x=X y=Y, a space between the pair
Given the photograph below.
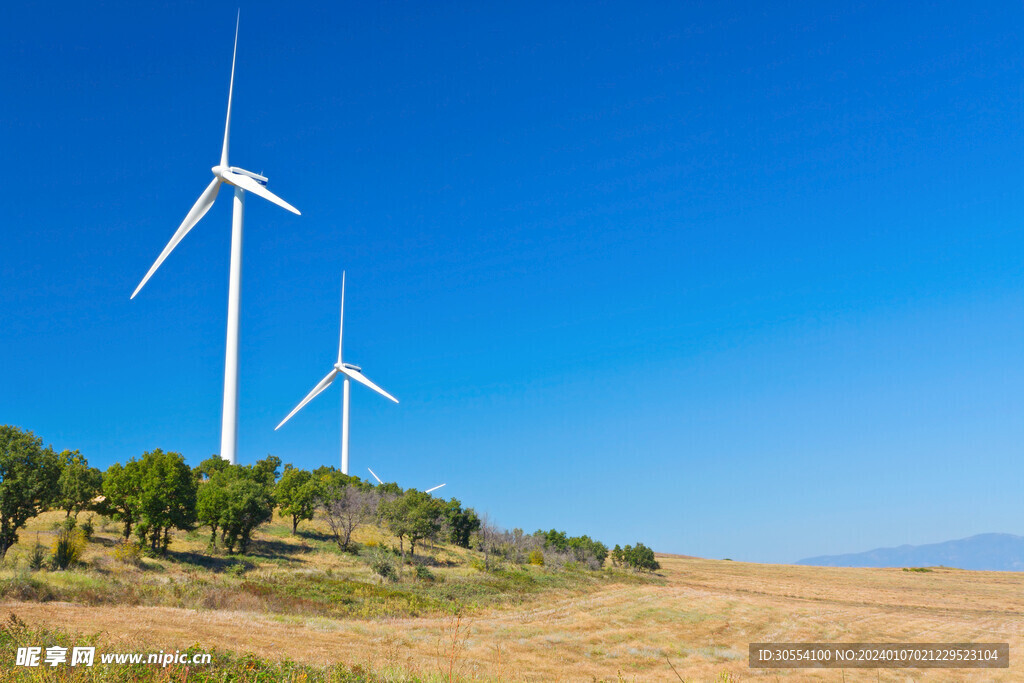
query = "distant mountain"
x=994 y=552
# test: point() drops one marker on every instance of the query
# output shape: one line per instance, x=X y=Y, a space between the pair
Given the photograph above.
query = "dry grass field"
x=699 y=615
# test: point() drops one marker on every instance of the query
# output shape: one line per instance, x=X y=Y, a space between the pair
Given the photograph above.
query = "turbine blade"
x=198 y=210
x=231 y=89
x=341 y=327
x=375 y=476
x=250 y=185
x=435 y=488
x=324 y=383
x=361 y=378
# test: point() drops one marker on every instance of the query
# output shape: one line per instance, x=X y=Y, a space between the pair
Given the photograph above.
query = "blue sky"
x=729 y=279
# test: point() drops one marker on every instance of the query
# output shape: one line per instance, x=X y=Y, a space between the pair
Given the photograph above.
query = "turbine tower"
x=243 y=181
x=350 y=371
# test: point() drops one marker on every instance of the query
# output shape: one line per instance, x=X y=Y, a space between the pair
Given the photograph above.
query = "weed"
x=451 y=647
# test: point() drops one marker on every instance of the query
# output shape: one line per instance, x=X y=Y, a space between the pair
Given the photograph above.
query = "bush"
x=424 y=574
x=128 y=552
x=37 y=556
x=68 y=548
x=88 y=529
x=536 y=557
x=383 y=565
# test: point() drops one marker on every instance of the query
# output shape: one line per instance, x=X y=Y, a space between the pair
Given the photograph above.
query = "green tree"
x=211 y=502
x=424 y=517
x=250 y=504
x=236 y=500
x=296 y=494
x=167 y=498
x=78 y=484
x=394 y=514
x=460 y=523
x=584 y=548
x=122 y=489
x=640 y=557
x=555 y=539
x=28 y=481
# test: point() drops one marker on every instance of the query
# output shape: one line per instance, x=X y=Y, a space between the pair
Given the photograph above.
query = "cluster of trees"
x=638 y=557
x=411 y=515
x=159 y=493
x=547 y=548
x=156 y=494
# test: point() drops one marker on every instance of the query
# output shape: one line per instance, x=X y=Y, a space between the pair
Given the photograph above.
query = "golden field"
x=695 y=615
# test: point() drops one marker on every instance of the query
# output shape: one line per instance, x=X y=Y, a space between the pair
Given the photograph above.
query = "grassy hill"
x=296 y=608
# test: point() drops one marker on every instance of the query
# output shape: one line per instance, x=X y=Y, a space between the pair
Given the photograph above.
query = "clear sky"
x=731 y=279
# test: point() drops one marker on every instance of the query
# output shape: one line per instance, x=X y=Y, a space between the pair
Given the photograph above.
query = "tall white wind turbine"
x=243 y=181
x=349 y=371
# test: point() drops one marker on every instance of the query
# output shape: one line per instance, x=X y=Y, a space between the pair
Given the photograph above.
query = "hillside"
x=986 y=552
x=294 y=597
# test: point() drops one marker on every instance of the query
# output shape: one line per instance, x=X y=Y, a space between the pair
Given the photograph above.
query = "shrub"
x=424 y=574
x=37 y=556
x=88 y=528
x=128 y=552
x=68 y=548
x=383 y=565
x=536 y=557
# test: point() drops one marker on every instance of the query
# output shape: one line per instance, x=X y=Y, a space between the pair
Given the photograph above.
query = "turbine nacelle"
x=350 y=366
x=228 y=173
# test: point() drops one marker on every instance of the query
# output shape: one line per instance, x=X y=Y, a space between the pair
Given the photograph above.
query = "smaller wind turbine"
x=427 y=491
x=350 y=371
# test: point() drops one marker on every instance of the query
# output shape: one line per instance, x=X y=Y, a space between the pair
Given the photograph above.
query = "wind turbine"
x=427 y=491
x=350 y=371
x=243 y=181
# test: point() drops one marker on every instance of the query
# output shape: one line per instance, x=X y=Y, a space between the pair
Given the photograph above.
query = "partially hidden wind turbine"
x=433 y=488
x=243 y=181
x=349 y=371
